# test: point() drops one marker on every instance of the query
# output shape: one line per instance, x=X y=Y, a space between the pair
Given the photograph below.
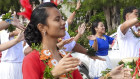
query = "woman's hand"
x=14 y=33
x=120 y=73
x=20 y=36
x=16 y=22
x=65 y=65
x=81 y=29
x=63 y=42
x=78 y=5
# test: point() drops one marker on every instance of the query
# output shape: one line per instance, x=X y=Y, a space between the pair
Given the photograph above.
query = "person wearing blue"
x=100 y=43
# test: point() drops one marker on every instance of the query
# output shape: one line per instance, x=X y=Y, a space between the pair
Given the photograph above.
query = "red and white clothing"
x=33 y=67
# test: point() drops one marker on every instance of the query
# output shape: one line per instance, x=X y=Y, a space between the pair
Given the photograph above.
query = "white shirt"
x=129 y=45
x=15 y=53
x=70 y=45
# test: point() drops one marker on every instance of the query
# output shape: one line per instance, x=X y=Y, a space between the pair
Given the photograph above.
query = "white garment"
x=70 y=45
x=46 y=1
x=129 y=45
x=11 y=61
x=10 y=70
x=97 y=66
x=26 y=45
x=13 y=54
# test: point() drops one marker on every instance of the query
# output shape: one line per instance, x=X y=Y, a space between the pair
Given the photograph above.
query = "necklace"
x=102 y=37
x=46 y=57
x=135 y=34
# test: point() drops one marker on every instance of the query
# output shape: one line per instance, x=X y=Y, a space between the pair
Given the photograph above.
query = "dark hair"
x=128 y=10
x=94 y=25
x=39 y=15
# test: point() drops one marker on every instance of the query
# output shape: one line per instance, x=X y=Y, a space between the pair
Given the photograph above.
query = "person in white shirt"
x=12 y=51
x=129 y=44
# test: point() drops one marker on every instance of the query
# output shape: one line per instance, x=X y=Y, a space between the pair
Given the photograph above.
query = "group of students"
x=45 y=28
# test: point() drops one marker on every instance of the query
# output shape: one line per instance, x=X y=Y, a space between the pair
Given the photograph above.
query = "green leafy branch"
x=37 y=47
x=11 y=28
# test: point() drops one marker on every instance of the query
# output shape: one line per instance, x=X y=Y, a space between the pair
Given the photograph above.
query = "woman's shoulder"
x=34 y=55
x=105 y=36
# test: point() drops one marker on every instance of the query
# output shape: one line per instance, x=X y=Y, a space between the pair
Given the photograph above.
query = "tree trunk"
x=112 y=15
x=115 y=17
x=108 y=17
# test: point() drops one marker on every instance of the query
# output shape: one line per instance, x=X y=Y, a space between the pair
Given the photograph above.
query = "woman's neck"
x=49 y=43
x=100 y=35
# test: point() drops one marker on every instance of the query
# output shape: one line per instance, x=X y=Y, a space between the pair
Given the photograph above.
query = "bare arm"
x=71 y=18
x=15 y=22
x=3 y=25
x=27 y=50
x=79 y=48
x=77 y=37
x=11 y=43
x=8 y=44
x=127 y=24
x=95 y=44
x=81 y=30
x=119 y=73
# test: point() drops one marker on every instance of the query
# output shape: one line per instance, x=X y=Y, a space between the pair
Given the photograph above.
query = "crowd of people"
x=40 y=50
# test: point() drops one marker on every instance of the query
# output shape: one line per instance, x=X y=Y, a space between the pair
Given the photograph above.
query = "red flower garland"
x=137 y=70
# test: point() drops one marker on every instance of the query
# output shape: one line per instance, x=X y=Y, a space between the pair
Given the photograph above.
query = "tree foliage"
x=13 y=5
x=108 y=11
x=6 y=5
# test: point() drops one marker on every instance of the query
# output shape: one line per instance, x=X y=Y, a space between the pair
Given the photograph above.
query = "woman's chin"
x=60 y=36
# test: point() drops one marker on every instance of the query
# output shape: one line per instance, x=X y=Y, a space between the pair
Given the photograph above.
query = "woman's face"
x=100 y=28
x=55 y=23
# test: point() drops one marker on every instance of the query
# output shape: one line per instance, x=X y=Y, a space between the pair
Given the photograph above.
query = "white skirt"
x=97 y=66
x=10 y=70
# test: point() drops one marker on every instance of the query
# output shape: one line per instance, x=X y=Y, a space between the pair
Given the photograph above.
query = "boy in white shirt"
x=129 y=44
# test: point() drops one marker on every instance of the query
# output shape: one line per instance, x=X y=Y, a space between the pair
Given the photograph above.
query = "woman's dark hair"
x=128 y=10
x=39 y=15
x=94 y=25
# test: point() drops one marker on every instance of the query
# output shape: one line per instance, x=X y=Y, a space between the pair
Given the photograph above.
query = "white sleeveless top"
x=15 y=53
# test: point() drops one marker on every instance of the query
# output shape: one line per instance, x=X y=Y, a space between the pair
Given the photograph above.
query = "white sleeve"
x=70 y=46
x=66 y=26
x=25 y=47
x=120 y=34
x=4 y=36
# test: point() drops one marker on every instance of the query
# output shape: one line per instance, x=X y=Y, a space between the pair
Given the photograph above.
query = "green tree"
x=13 y=5
x=108 y=11
x=6 y=5
x=111 y=9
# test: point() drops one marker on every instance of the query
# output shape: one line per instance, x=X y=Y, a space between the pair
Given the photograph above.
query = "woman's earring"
x=44 y=33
